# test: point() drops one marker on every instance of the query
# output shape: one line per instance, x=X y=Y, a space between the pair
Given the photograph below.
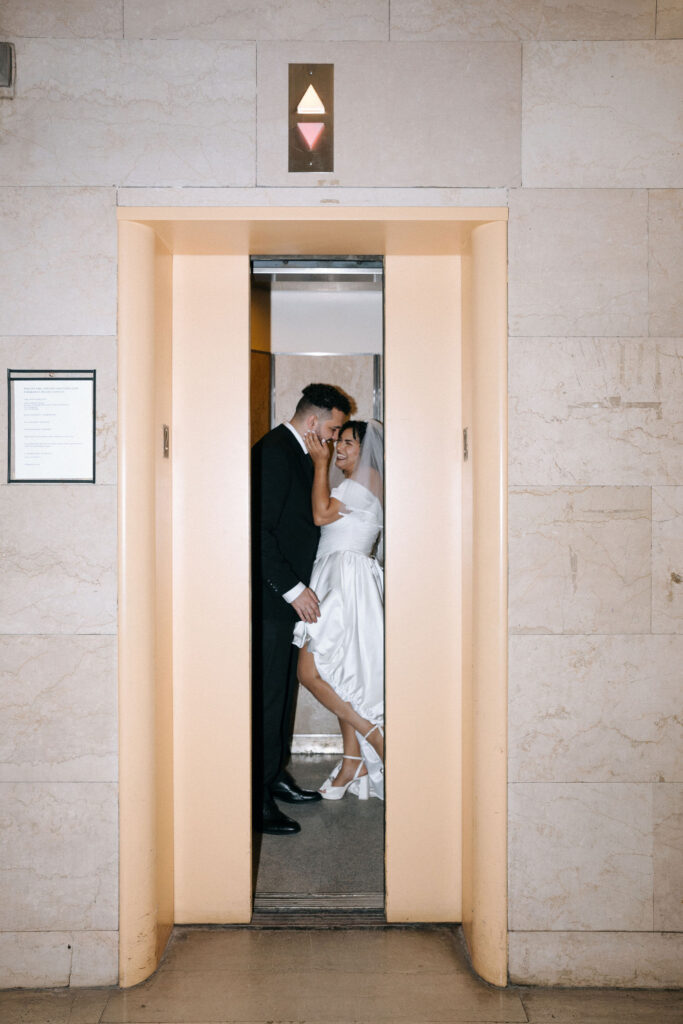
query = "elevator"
x=318 y=319
x=184 y=314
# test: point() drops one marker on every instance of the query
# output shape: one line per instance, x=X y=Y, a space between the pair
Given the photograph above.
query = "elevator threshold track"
x=319 y=910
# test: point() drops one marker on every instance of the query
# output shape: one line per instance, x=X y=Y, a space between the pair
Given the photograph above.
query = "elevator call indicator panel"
x=311 y=117
x=51 y=426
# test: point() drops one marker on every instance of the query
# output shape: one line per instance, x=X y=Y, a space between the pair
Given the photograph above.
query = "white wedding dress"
x=347 y=641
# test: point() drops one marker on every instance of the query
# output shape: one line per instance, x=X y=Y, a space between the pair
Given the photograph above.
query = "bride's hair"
x=357 y=427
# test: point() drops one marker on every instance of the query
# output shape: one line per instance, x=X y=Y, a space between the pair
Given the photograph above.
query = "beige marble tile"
x=58 y=567
x=58 y=709
x=260 y=19
x=73 y=18
x=89 y=353
x=34 y=959
x=436 y=949
x=312 y=197
x=578 y=263
x=58 y=261
x=580 y=857
x=131 y=113
x=667 y=560
x=61 y=1006
x=595 y=709
x=95 y=959
x=425 y=99
x=668 y=856
x=59 y=856
x=42 y=959
x=619 y=959
x=323 y=996
x=666 y=261
x=603 y=1007
x=595 y=411
x=670 y=19
x=602 y=115
x=579 y=560
x=522 y=19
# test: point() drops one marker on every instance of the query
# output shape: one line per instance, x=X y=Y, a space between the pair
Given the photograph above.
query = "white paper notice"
x=53 y=429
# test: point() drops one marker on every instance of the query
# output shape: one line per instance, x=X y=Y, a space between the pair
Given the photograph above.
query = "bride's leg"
x=329 y=698
x=352 y=755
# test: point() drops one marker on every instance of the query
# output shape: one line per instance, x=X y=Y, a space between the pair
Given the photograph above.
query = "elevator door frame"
x=165 y=254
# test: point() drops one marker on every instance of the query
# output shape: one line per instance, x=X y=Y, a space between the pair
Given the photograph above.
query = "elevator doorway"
x=318 y=319
x=185 y=806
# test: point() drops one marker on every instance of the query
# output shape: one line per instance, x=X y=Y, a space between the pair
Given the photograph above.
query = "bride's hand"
x=319 y=451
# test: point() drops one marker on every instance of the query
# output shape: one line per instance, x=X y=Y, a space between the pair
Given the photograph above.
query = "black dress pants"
x=274 y=690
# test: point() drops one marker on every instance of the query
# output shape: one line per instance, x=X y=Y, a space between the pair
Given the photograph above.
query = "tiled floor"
x=415 y=975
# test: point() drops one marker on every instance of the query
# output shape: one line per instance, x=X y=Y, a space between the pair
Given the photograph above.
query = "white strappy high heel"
x=359 y=784
x=373 y=761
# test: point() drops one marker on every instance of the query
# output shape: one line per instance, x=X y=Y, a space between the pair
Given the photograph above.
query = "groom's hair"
x=322 y=397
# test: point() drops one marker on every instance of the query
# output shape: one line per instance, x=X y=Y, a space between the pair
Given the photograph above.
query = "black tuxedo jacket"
x=284 y=536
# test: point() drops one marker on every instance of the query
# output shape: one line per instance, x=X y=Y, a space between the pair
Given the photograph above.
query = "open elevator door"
x=318 y=320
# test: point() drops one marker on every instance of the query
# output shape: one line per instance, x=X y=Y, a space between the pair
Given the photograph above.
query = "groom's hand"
x=307 y=606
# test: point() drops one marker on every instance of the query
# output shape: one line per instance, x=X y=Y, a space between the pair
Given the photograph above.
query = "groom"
x=284 y=543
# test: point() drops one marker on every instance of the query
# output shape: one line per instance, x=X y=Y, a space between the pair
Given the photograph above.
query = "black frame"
x=14 y=375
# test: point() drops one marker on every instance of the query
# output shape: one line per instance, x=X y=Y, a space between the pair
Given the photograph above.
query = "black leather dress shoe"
x=273 y=822
x=290 y=793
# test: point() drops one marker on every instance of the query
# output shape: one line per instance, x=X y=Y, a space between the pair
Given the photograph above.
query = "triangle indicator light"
x=310 y=103
x=311 y=131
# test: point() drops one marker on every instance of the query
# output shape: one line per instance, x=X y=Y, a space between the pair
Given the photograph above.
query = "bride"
x=342 y=654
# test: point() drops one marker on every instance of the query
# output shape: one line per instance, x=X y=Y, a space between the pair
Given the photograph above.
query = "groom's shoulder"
x=277 y=436
x=279 y=439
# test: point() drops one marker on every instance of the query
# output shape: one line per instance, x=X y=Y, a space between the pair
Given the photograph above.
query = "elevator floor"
x=338 y=853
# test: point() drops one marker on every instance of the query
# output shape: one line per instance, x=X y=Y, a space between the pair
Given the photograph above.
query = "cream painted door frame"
x=184 y=299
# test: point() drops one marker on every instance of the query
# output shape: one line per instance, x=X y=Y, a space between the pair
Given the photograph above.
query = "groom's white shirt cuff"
x=292 y=594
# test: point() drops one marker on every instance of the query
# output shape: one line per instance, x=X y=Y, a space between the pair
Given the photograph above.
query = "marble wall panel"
x=602 y=115
x=522 y=19
x=90 y=353
x=136 y=113
x=667 y=560
x=35 y=959
x=88 y=19
x=57 y=960
x=670 y=19
x=619 y=959
x=59 y=856
x=595 y=709
x=428 y=114
x=58 y=261
x=580 y=857
x=595 y=410
x=58 y=709
x=579 y=560
x=95 y=959
x=668 y=857
x=666 y=261
x=260 y=19
x=578 y=263
x=312 y=197
x=58 y=566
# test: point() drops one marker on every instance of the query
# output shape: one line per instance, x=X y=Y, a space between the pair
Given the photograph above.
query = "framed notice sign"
x=51 y=426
